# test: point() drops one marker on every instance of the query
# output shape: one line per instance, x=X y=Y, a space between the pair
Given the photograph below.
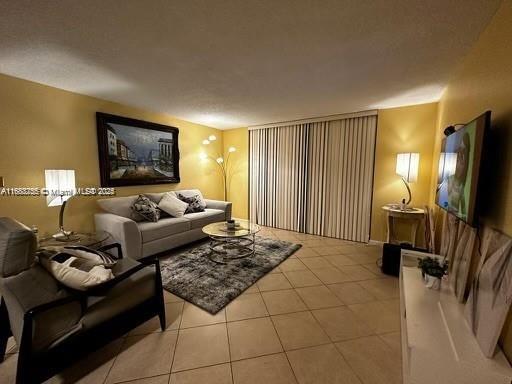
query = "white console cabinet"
x=438 y=346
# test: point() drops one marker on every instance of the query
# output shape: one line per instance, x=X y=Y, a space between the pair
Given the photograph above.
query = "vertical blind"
x=314 y=177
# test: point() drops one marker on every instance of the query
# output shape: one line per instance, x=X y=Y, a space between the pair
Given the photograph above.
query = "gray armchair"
x=54 y=325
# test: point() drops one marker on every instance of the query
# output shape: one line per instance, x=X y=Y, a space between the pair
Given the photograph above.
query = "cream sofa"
x=143 y=239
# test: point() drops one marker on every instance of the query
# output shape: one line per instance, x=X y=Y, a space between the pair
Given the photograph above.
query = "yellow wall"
x=405 y=129
x=238 y=191
x=46 y=128
x=484 y=82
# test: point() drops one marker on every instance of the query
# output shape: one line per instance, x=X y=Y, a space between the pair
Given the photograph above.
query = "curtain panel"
x=314 y=177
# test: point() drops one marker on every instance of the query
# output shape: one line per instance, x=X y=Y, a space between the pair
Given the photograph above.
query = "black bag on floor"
x=391 y=257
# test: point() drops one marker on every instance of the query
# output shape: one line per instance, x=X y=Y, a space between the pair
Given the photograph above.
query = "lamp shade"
x=447 y=165
x=407 y=165
x=60 y=184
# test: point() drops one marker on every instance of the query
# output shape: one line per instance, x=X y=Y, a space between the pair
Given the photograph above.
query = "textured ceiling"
x=236 y=63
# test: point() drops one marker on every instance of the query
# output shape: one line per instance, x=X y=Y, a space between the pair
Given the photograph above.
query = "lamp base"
x=65 y=236
x=408 y=192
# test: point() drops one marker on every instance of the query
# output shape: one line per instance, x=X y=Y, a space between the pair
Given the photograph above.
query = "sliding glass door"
x=315 y=177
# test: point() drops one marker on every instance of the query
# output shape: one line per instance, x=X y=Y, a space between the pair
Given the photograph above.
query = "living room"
x=244 y=190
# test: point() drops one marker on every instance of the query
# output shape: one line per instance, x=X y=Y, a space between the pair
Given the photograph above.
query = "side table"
x=92 y=240
x=413 y=215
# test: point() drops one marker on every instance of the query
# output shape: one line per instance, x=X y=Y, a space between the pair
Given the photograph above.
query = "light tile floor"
x=326 y=315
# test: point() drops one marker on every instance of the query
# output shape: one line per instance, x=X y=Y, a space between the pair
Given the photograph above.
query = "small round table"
x=91 y=240
x=413 y=215
x=231 y=244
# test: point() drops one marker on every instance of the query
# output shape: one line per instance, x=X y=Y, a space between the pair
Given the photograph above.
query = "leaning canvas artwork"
x=491 y=291
x=136 y=152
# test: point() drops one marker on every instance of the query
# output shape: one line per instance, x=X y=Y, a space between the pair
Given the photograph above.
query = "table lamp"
x=407 y=167
x=60 y=184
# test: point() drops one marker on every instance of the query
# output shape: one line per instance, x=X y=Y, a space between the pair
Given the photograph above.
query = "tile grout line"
x=229 y=353
x=201 y=367
x=115 y=359
x=177 y=339
x=356 y=374
x=143 y=378
x=275 y=353
x=280 y=342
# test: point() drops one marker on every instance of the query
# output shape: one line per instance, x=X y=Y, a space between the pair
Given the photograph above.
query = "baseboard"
x=376 y=242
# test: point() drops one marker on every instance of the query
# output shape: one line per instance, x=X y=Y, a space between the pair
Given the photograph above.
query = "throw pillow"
x=146 y=208
x=195 y=203
x=172 y=205
x=78 y=267
x=191 y=193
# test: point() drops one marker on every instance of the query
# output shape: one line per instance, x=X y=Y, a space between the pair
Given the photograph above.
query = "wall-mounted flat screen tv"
x=459 y=169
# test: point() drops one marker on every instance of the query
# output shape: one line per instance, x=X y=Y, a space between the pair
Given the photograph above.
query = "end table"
x=92 y=240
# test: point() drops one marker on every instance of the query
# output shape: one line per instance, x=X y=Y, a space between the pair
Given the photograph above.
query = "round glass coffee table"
x=230 y=244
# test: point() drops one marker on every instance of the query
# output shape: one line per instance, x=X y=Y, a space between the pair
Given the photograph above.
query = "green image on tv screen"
x=458 y=169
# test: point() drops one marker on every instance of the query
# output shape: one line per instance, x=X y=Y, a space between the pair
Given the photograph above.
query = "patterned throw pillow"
x=195 y=203
x=146 y=208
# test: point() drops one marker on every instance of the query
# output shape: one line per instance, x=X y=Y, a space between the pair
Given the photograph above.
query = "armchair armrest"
x=225 y=206
x=123 y=230
x=108 y=247
x=73 y=297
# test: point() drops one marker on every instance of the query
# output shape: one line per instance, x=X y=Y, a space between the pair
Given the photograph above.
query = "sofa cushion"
x=208 y=216
x=120 y=206
x=123 y=296
x=172 y=242
x=163 y=228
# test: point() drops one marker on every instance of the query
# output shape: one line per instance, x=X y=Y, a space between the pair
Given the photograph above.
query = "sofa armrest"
x=225 y=206
x=123 y=230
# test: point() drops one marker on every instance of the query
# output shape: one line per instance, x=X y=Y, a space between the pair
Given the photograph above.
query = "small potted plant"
x=432 y=271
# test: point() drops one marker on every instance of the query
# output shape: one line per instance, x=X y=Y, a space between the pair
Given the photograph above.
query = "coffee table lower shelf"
x=225 y=249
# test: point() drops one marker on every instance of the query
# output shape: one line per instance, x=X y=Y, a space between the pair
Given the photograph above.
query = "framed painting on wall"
x=136 y=152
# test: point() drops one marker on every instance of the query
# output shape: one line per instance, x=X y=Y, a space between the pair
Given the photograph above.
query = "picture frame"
x=136 y=152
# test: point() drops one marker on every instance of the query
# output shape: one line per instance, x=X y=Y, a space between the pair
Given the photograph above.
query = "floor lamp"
x=223 y=164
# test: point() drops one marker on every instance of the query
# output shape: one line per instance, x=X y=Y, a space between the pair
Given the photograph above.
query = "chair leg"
x=5 y=329
x=24 y=374
x=161 y=316
x=160 y=295
x=27 y=371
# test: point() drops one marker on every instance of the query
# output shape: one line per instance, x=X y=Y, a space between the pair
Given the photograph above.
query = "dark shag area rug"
x=191 y=275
